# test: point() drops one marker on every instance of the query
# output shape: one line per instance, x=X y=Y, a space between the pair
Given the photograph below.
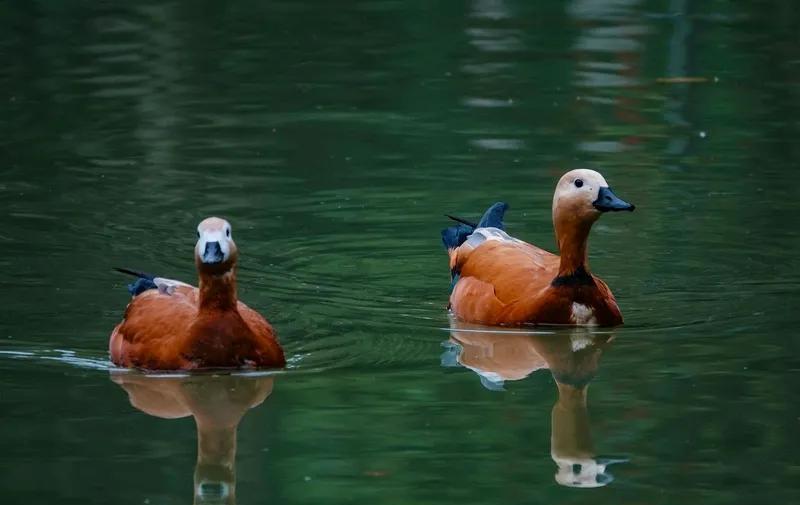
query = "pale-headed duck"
x=170 y=325
x=500 y=280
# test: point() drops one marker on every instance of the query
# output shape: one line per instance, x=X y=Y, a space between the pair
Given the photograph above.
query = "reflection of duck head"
x=571 y=444
x=572 y=356
x=217 y=403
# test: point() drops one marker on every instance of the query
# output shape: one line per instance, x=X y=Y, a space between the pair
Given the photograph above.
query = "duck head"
x=215 y=252
x=580 y=198
x=584 y=194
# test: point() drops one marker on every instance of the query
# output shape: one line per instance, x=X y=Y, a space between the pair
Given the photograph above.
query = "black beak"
x=608 y=201
x=212 y=253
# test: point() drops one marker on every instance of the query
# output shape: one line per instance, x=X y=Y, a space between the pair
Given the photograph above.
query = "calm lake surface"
x=334 y=136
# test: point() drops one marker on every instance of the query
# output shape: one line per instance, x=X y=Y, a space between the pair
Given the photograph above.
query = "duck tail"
x=143 y=282
x=135 y=273
x=454 y=236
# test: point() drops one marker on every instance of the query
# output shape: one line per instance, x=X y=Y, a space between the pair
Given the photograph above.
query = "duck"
x=500 y=280
x=171 y=325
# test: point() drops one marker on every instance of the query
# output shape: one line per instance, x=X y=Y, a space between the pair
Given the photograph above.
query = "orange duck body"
x=169 y=325
x=500 y=280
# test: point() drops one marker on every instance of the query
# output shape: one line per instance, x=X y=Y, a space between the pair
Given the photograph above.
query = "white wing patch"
x=481 y=235
x=167 y=286
x=583 y=315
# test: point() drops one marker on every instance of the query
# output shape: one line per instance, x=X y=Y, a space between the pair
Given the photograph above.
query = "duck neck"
x=572 y=236
x=218 y=291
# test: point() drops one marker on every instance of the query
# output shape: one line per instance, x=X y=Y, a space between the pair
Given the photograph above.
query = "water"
x=334 y=137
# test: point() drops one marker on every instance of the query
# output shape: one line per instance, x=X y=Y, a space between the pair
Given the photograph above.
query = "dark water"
x=334 y=135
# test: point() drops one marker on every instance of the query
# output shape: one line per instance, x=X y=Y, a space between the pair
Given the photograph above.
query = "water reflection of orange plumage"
x=498 y=355
x=218 y=403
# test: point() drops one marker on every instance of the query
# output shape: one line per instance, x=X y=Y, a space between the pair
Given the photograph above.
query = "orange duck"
x=169 y=325
x=500 y=280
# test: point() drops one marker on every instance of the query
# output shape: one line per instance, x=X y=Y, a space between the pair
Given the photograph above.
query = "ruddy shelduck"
x=500 y=280
x=170 y=325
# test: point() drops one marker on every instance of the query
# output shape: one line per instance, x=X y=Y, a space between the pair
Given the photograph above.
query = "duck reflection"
x=572 y=356
x=218 y=403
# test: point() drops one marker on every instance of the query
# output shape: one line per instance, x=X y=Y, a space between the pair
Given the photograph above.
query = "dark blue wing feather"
x=457 y=234
x=144 y=281
x=454 y=236
x=493 y=217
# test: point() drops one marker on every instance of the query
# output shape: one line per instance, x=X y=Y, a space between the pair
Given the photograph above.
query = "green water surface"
x=334 y=135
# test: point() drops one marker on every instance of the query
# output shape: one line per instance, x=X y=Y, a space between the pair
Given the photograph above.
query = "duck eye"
x=198 y=233
x=227 y=232
x=578 y=183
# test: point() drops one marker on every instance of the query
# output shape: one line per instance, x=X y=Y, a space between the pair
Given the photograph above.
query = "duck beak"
x=608 y=201
x=213 y=253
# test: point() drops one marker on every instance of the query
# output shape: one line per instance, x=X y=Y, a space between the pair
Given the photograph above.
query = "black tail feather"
x=135 y=273
x=462 y=221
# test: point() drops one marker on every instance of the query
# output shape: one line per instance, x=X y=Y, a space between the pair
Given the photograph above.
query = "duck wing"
x=495 y=271
x=150 y=333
